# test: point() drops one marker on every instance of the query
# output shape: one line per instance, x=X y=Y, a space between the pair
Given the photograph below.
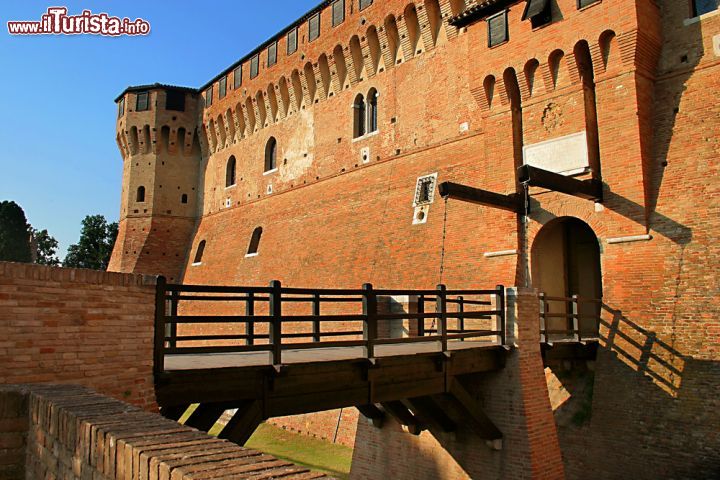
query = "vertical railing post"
x=316 y=319
x=502 y=315
x=370 y=327
x=421 y=316
x=250 y=323
x=276 y=322
x=159 y=348
x=171 y=329
x=461 y=317
x=576 y=318
x=543 y=318
x=442 y=317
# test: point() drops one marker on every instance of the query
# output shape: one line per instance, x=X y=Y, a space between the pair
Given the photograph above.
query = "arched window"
x=140 y=194
x=199 y=253
x=230 y=172
x=184 y=198
x=271 y=155
x=359 y=116
x=254 y=242
x=372 y=111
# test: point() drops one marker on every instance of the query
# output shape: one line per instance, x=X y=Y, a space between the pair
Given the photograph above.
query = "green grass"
x=302 y=450
x=309 y=452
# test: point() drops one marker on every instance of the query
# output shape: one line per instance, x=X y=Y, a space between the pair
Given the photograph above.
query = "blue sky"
x=58 y=158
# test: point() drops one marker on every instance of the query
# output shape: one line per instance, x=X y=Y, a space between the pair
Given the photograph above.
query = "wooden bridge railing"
x=356 y=325
x=574 y=315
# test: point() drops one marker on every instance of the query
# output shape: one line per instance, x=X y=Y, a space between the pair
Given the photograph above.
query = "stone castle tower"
x=158 y=140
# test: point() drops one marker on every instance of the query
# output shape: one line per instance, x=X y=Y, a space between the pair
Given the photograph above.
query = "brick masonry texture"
x=78 y=326
x=70 y=432
x=451 y=105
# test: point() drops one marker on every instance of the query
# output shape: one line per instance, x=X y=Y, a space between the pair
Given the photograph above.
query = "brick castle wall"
x=70 y=432
x=75 y=326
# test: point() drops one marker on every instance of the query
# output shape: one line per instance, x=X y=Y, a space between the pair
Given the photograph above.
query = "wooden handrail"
x=171 y=301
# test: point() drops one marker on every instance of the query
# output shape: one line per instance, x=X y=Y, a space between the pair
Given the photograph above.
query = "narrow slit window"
x=254 y=66
x=222 y=87
x=497 y=29
x=272 y=54
x=184 y=198
x=365 y=3
x=140 y=197
x=539 y=12
x=230 y=172
x=359 y=117
x=254 y=242
x=208 y=96
x=143 y=102
x=175 y=100
x=701 y=7
x=372 y=111
x=237 y=77
x=314 y=27
x=271 y=155
x=121 y=107
x=199 y=253
x=338 y=12
x=292 y=42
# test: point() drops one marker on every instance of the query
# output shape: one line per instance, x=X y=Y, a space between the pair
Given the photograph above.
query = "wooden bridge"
x=275 y=351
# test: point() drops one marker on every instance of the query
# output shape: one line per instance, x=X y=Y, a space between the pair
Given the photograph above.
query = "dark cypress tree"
x=14 y=234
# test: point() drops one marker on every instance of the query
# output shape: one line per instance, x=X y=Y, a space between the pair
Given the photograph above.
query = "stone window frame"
x=430 y=180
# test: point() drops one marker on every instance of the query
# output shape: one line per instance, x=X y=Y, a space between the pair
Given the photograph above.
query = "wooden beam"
x=428 y=411
x=373 y=413
x=175 y=412
x=536 y=177
x=242 y=425
x=455 y=191
x=403 y=416
x=483 y=426
x=205 y=416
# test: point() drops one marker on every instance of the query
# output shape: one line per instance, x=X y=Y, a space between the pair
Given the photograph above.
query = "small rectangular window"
x=314 y=27
x=121 y=107
x=292 y=42
x=365 y=3
x=701 y=7
x=222 y=87
x=497 y=29
x=208 y=96
x=143 y=102
x=539 y=12
x=272 y=54
x=585 y=3
x=338 y=12
x=237 y=77
x=425 y=190
x=175 y=100
x=254 y=65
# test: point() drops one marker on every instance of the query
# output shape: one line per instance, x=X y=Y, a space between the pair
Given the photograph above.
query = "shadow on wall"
x=646 y=411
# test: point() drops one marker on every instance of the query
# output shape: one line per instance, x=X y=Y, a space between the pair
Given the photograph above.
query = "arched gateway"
x=566 y=262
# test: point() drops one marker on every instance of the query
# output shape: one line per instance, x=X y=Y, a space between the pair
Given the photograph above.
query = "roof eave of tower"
x=153 y=86
x=479 y=11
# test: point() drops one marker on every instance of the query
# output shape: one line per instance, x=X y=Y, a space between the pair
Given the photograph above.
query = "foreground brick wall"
x=78 y=326
x=70 y=432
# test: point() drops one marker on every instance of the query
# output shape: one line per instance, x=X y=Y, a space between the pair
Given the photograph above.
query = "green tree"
x=95 y=246
x=46 y=248
x=14 y=234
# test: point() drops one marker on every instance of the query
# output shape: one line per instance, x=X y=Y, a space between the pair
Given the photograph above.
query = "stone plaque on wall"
x=716 y=45
x=567 y=155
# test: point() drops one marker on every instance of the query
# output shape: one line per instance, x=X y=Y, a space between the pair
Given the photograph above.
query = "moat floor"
x=225 y=360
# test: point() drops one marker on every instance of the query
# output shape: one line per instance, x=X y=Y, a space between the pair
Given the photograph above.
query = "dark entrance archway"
x=566 y=262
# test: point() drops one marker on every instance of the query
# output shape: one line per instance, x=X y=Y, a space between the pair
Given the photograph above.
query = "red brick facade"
x=82 y=327
x=449 y=104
